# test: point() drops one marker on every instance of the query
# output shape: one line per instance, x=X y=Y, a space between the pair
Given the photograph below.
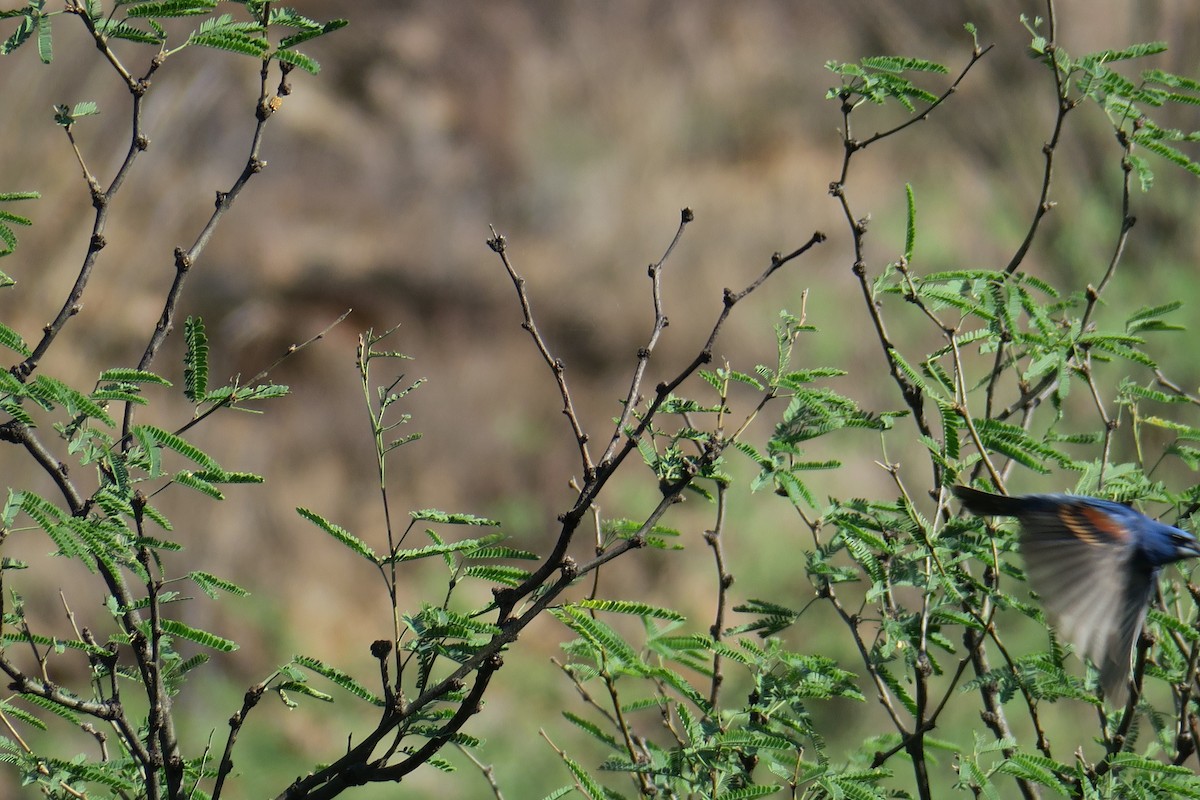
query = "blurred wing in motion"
x=1079 y=559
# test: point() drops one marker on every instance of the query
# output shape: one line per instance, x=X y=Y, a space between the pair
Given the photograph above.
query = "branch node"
x=183 y=262
x=686 y=215
x=569 y=568
x=98 y=241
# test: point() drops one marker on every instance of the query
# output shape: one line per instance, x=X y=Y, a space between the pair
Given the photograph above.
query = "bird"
x=1095 y=565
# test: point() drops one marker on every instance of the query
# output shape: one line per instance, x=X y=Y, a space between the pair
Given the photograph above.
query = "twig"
x=249 y=701
x=500 y=246
x=487 y=770
x=186 y=259
x=724 y=581
x=1048 y=149
x=632 y=397
x=912 y=394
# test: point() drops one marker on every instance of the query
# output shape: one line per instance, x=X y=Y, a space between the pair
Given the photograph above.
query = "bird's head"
x=1167 y=544
x=1185 y=544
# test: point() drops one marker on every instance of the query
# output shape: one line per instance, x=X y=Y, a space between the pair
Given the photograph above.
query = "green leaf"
x=503 y=551
x=1133 y=51
x=209 y=584
x=19 y=36
x=433 y=515
x=441 y=548
x=203 y=638
x=498 y=573
x=1171 y=154
x=308 y=29
x=298 y=59
x=170 y=8
x=124 y=375
x=586 y=784
x=341 y=534
x=592 y=730
x=1037 y=769
x=161 y=438
x=298 y=687
x=194 y=480
x=153 y=514
x=232 y=39
x=601 y=636
x=24 y=716
x=45 y=41
x=66 y=115
x=897 y=64
x=910 y=228
x=116 y=29
x=749 y=792
x=630 y=607
x=75 y=402
x=914 y=377
x=337 y=677
x=195 y=360
x=13 y=341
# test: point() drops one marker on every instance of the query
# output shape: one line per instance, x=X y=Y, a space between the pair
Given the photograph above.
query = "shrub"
x=929 y=606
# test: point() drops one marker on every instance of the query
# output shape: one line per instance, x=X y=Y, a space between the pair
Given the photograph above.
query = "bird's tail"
x=986 y=503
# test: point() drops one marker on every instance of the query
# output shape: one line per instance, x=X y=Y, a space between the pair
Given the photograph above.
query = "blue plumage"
x=1095 y=565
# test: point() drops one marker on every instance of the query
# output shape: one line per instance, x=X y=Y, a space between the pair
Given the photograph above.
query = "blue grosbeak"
x=1095 y=565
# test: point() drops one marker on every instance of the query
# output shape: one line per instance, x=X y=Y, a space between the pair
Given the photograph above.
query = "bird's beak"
x=1189 y=550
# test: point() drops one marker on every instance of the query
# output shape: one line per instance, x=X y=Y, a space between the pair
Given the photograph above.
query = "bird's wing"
x=1079 y=559
x=1114 y=668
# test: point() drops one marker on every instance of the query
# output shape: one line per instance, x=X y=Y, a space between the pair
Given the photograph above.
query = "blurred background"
x=579 y=130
